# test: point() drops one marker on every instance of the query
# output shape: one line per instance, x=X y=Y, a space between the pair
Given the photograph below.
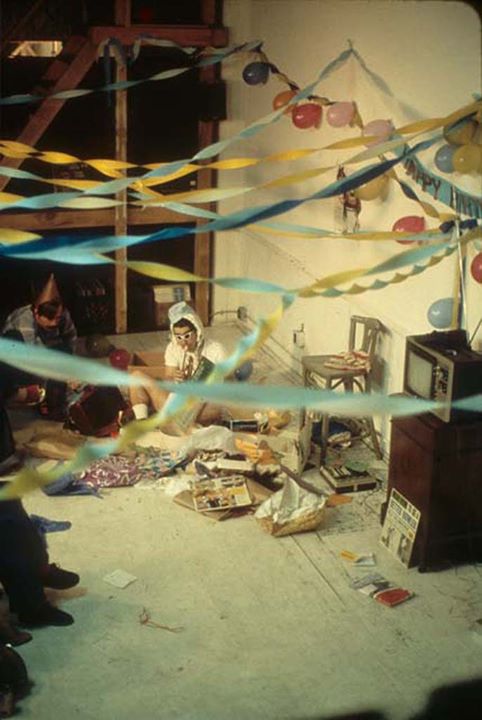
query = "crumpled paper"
x=291 y=510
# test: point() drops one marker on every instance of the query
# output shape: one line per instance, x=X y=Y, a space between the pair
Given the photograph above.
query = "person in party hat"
x=45 y=322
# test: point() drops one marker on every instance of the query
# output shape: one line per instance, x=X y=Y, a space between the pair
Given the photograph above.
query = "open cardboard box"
x=258 y=493
x=149 y=362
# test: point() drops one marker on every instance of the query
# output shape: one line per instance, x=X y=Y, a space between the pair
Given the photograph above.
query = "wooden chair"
x=364 y=333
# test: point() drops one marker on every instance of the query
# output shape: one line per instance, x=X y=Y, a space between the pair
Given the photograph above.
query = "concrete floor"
x=253 y=627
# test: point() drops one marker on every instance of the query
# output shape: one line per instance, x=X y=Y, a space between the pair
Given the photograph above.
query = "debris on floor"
x=145 y=619
x=291 y=510
x=382 y=590
x=343 y=478
x=119 y=578
x=364 y=560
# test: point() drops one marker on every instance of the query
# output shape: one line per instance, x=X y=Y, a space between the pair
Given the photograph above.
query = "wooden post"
x=122 y=17
x=204 y=241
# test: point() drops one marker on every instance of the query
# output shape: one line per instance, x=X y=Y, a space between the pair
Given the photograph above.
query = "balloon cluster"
x=462 y=151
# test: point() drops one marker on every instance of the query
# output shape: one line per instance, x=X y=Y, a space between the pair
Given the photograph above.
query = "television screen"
x=419 y=375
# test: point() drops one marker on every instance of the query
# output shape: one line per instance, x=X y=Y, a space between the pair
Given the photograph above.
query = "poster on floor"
x=400 y=527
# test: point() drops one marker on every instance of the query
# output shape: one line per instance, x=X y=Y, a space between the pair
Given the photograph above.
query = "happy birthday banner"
x=462 y=202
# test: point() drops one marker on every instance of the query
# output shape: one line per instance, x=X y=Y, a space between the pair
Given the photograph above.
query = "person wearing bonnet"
x=188 y=356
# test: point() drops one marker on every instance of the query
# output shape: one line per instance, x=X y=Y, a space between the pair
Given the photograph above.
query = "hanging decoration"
x=283 y=99
x=340 y=114
x=350 y=207
x=409 y=224
x=467 y=159
x=461 y=133
x=373 y=190
x=444 y=158
x=256 y=73
x=380 y=130
x=440 y=313
x=307 y=115
x=476 y=268
x=440 y=189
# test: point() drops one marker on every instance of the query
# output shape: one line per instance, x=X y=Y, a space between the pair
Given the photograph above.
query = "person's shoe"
x=12 y=636
x=11 y=464
x=52 y=576
x=45 y=615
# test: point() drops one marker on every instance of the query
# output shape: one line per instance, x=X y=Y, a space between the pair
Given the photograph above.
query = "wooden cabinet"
x=438 y=467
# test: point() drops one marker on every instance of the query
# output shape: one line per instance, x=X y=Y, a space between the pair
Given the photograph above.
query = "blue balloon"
x=443 y=158
x=244 y=371
x=440 y=312
x=256 y=73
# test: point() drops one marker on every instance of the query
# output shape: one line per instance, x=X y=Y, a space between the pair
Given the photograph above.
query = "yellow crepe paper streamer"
x=12 y=236
x=109 y=166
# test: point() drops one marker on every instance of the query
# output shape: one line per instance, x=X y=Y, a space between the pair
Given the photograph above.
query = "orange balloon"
x=467 y=158
x=282 y=99
x=373 y=189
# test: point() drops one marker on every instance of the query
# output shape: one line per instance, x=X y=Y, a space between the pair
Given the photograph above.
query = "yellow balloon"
x=372 y=189
x=477 y=138
x=466 y=159
x=462 y=135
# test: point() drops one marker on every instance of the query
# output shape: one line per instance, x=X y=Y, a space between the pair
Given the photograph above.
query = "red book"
x=393 y=596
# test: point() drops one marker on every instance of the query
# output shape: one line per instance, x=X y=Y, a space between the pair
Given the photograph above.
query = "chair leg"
x=325 y=424
x=374 y=437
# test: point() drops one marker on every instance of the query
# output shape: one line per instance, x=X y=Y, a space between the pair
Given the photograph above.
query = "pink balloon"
x=307 y=115
x=381 y=129
x=409 y=224
x=340 y=114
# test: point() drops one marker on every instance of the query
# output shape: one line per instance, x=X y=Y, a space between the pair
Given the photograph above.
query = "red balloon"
x=476 y=268
x=120 y=358
x=409 y=224
x=307 y=115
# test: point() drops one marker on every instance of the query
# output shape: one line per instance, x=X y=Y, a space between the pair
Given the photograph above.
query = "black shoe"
x=12 y=636
x=46 y=615
x=52 y=576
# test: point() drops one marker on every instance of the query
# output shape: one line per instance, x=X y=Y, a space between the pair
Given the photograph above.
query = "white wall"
x=429 y=54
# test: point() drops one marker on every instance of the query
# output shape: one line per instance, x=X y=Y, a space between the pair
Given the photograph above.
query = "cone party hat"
x=50 y=292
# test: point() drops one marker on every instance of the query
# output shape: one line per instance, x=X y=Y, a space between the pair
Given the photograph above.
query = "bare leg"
x=146 y=396
x=210 y=414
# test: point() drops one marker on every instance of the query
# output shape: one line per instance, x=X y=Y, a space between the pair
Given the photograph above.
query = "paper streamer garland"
x=213 y=57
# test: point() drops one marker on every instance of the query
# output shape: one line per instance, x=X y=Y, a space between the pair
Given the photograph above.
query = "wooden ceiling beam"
x=188 y=35
x=71 y=219
x=48 y=108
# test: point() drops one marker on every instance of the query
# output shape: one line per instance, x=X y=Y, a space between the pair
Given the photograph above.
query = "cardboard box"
x=259 y=493
x=149 y=362
x=164 y=297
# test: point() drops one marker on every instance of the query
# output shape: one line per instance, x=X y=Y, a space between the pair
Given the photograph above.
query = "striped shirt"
x=62 y=337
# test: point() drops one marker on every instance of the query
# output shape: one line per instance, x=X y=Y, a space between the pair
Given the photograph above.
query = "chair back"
x=364 y=332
